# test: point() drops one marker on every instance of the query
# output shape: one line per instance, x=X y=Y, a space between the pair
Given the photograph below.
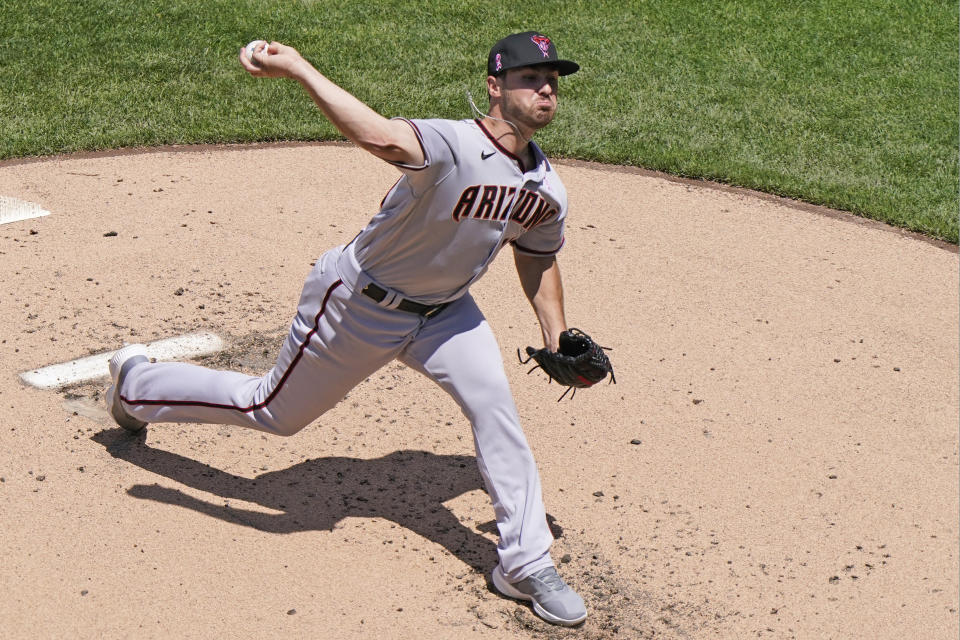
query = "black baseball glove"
x=579 y=363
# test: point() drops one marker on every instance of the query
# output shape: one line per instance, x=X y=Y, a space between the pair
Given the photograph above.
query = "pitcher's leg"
x=336 y=340
x=457 y=349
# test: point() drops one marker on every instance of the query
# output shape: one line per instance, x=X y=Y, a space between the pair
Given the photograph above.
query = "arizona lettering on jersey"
x=493 y=202
x=468 y=199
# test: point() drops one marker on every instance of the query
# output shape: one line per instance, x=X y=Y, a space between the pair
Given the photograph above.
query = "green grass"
x=850 y=104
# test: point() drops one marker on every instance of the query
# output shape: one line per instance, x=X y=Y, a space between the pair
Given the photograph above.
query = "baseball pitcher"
x=400 y=291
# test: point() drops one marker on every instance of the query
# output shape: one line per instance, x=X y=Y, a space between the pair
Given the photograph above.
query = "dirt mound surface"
x=778 y=457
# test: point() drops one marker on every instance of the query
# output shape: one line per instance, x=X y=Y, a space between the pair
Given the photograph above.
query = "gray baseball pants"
x=338 y=338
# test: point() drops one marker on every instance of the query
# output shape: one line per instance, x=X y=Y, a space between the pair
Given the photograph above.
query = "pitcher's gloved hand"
x=580 y=362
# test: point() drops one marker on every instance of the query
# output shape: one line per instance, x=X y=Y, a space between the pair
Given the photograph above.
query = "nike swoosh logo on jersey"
x=484 y=156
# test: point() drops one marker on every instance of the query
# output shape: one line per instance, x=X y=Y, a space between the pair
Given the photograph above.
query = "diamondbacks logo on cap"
x=499 y=63
x=544 y=43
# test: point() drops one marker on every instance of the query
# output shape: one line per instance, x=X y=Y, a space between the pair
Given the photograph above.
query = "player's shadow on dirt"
x=406 y=487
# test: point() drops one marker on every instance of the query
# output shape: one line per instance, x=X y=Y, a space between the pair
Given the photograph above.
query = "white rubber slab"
x=13 y=210
x=96 y=366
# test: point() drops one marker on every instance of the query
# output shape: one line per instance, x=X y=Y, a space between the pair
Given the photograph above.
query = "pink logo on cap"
x=544 y=43
x=499 y=63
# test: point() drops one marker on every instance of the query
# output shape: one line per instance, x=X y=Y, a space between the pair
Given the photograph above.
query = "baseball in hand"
x=250 y=49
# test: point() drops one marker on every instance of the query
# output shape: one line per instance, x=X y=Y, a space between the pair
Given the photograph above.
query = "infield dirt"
x=778 y=458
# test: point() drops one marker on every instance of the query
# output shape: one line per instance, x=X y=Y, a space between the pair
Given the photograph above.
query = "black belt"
x=377 y=294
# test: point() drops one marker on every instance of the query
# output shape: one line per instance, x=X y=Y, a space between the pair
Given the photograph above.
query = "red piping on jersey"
x=499 y=146
x=273 y=394
x=426 y=160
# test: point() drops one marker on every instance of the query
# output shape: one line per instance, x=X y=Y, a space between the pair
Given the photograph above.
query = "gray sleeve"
x=545 y=239
x=438 y=142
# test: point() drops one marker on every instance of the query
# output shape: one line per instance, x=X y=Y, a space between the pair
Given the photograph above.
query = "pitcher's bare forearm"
x=392 y=140
x=543 y=286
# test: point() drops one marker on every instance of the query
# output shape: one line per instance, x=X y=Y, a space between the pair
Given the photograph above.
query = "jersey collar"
x=503 y=149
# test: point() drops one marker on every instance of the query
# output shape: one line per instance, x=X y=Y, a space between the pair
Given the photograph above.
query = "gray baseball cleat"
x=121 y=362
x=553 y=600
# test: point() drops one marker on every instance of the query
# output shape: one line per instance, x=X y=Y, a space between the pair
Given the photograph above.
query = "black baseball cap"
x=525 y=50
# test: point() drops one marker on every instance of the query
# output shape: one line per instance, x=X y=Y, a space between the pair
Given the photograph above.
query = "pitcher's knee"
x=490 y=403
x=287 y=430
x=281 y=425
x=480 y=385
x=286 y=414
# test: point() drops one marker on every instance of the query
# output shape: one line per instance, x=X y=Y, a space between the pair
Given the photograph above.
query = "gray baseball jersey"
x=443 y=223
